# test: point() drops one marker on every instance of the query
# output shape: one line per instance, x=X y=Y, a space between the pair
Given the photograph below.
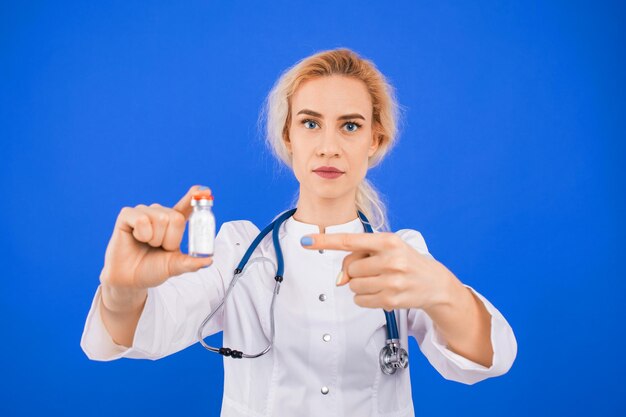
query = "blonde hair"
x=341 y=61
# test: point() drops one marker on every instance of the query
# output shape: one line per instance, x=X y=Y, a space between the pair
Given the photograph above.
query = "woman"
x=330 y=117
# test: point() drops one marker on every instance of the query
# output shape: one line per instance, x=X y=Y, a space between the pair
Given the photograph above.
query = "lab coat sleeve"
x=175 y=309
x=449 y=364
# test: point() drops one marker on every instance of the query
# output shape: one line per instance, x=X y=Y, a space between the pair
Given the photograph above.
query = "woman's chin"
x=332 y=193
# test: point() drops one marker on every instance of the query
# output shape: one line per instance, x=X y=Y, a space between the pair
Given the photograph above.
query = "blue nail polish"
x=306 y=241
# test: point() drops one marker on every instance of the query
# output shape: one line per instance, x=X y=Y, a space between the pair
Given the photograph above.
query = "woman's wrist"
x=123 y=300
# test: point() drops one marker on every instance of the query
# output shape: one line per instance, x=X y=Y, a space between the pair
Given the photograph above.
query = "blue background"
x=509 y=164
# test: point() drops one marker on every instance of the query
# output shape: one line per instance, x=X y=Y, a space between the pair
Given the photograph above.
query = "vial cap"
x=202 y=195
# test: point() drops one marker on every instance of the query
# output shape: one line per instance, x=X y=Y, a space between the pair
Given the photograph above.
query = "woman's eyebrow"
x=344 y=117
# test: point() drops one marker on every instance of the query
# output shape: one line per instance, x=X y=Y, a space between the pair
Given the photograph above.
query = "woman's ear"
x=376 y=140
x=287 y=141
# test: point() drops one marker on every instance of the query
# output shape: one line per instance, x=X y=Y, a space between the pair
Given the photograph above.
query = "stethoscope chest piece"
x=392 y=357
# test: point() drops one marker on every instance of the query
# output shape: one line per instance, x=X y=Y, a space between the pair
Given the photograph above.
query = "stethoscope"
x=392 y=356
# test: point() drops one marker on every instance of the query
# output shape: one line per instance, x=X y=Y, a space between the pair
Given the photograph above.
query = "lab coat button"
x=321 y=250
x=326 y=337
x=322 y=297
x=325 y=390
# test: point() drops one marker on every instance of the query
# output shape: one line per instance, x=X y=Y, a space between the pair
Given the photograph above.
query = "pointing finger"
x=368 y=242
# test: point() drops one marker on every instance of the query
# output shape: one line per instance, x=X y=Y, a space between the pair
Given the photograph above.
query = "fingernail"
x=306 y=241
x=202 y=187
x=339 y=277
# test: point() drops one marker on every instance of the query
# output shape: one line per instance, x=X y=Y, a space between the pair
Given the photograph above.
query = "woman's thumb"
x=181 y=263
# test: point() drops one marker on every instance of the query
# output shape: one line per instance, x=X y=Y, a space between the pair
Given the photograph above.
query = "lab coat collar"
x=299 y=229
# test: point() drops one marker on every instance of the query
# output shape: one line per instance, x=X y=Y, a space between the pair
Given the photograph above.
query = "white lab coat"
x=289 y=379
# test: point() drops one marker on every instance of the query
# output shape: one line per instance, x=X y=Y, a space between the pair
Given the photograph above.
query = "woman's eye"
x=352 y=127
x=309 y=124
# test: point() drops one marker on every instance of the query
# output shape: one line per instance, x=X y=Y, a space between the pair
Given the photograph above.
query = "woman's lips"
x=328 y=174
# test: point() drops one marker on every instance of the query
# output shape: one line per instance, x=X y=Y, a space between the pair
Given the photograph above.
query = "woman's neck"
x=324 y=212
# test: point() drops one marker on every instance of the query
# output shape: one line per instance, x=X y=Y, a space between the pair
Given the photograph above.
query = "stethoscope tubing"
x=390 y=317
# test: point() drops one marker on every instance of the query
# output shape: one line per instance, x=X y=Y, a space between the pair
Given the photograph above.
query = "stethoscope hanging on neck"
x=392 y=355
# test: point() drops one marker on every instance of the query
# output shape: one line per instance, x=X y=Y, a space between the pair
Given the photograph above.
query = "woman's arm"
x=464 y=322
x=395 y=271
x=120 y=310
x=165 y=319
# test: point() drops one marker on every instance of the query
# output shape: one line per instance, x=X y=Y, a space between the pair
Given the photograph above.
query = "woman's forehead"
x=332 y=96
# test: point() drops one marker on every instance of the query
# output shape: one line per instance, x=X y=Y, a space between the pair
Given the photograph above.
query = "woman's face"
x=331 y=126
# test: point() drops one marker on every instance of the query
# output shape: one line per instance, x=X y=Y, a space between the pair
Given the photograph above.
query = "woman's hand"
x=385 y=272
x=144 y=250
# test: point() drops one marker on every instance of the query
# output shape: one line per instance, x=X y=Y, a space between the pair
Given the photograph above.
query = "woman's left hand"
x=385 y=272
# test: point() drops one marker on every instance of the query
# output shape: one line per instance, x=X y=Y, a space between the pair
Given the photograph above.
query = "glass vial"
x=201 y=225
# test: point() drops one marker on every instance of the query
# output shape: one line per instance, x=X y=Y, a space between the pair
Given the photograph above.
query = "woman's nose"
x=329 y=144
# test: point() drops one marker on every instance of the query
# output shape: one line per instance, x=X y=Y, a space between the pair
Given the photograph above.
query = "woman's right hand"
x=144 y=250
